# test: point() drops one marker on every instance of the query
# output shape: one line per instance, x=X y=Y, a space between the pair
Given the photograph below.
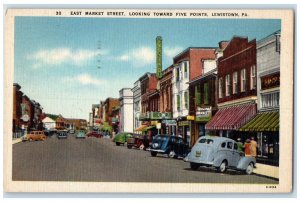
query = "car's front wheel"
x=194 y=166
x=129 y=146
x=172 y=154
x=153 y=153
x=118 y=143
x=249 y=169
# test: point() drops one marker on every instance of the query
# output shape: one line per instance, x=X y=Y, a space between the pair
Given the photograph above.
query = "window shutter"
x=197 y=95
x=206 y=99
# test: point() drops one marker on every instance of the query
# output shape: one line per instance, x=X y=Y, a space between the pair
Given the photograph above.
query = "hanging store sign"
x=190 y=118
x=270 y=81
x=203 y=114
x=160 y=115
x=183 y=123
x=170 y=122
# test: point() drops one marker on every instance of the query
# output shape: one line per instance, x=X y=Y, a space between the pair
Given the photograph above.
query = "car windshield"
x=207 y=141
x=161 y=138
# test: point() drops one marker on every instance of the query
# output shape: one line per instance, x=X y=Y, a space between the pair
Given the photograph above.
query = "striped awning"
x=265 y=121
x=232 y=118
x=141 y=128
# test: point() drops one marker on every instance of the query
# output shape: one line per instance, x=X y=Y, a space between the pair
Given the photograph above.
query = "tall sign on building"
x=159 y=57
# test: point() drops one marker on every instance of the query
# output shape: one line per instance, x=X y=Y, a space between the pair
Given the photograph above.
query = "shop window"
x=253 y=77
x=243 y=80
x=235 y=82
x=268 y=145
x=270 y=100
x=227 y=89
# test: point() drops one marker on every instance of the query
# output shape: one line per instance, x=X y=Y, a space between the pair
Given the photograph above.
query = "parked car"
x=72 y=131
x=80 y=134
x=221 y=153
x=121 y=138
x=34 y=135
x=174 y=146
x=94 y=134
x=137 y=140
x=62 y=134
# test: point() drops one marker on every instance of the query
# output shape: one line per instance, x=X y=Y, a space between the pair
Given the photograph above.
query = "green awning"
x=148 y=128
x=265 y=121
x=106 y=128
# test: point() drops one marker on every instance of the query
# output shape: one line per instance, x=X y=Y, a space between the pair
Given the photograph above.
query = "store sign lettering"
x=203 y=114
x=270 y=81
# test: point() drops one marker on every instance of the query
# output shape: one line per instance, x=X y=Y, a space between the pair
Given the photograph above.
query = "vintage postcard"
x=148 y=100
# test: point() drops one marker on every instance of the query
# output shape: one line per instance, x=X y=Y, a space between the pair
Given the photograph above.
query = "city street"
x=100 y=160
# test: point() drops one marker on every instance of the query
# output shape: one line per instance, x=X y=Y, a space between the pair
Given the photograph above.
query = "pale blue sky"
x=57 y=59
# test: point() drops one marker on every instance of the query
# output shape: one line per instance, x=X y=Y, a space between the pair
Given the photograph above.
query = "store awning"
x=149 y=127
x=265 y=121
x=106 y=128
x=232 y=118
x=141 y=128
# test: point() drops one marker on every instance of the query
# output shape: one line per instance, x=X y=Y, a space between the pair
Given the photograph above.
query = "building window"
x=253 y=77
x=186 y=100
x=197 y=95
x=206 y=93
x=220 y=87
x=270 y=100
x=177 y=74
x=243 y=80
x=185 y=67
x=235 y=84
x=227 y=90
x=178 y=102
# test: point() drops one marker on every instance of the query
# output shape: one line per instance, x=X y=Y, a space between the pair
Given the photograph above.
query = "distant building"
x=49 y=123
x=137 y=105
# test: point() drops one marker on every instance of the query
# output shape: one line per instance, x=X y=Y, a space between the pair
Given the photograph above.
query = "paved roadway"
x=100 y=160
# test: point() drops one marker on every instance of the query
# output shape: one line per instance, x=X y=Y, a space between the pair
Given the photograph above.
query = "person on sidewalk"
x=240 y=145
x=247 y=147
x=253 y=147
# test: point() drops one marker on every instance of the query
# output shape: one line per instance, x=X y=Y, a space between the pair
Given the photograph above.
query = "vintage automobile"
x=174 y=146
x=80 y=134
x=72 y=131
x=221 y=153
x=121 y=138
x=137 y=141
x=94 y=134
x=34 y=136
x=62 y=134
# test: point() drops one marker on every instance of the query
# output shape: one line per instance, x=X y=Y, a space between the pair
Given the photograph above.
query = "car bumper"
x=195 y=160
x=156 y=150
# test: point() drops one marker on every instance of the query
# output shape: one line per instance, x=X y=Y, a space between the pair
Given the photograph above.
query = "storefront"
x=228 y=120
x=203 y=115
x=265 y=126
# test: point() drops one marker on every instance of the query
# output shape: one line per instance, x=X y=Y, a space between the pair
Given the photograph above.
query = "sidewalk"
x=266 y=170
x=17 y=140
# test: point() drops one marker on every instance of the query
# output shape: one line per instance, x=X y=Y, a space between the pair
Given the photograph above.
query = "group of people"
x=249 y=147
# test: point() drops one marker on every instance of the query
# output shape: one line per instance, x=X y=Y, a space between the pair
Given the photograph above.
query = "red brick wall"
x=238 y=54
x=196 y=55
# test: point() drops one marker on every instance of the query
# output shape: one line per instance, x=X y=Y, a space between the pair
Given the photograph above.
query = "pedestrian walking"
x=253 y=147
x=240 y=145
x=247 y=147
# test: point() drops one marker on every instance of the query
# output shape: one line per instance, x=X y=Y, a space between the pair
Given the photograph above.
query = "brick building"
x=187 y=66
x=236 y=88
x=17 y=109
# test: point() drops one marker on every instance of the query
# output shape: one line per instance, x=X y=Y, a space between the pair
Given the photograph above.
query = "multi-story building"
x=187 y=66
x=203 y=96
x=266 y=123
x=126 y=110
x=236 y=88
x=106 y=115
x=17 y=109
x=136 y=90
x=27 y=113
x=165 y=101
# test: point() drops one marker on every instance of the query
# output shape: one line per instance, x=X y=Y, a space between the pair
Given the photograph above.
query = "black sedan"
x=173 y=146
